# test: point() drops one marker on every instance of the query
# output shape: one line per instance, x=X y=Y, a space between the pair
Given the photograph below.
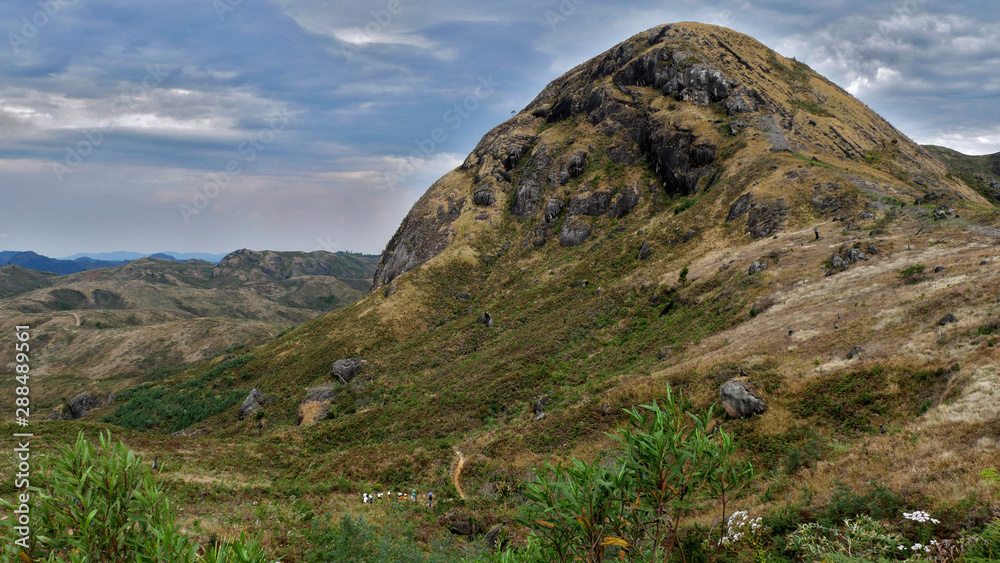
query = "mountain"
x=980 y=172
x=35 y=261
x=153 y=311
x=688 y=208
x=125 y=256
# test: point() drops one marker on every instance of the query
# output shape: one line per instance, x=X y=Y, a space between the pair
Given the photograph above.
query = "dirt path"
x=458 y=473
x=77 y=317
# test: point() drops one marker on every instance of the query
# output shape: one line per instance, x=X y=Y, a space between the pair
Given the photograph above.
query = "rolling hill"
x=154 y=312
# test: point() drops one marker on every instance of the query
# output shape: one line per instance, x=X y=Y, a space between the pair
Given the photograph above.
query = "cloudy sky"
x=212 y=125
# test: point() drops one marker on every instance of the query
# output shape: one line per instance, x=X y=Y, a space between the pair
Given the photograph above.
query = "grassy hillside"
x=155 y=312
x=979 y=172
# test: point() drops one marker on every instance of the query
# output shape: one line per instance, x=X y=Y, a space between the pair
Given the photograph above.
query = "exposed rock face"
x=740 y=207
x=592 y=204
x=740 y=399
x=645 y=251
x=484 y=195
x=757 y=267
x=425 y=232
x=766 y=219
x=627 y=200
x=531 y=183
x=553 y=209
x=316 y=404
x=574 y=232
x=346 y=369
x=79 y=405
x=254 y=401
x=461 y=528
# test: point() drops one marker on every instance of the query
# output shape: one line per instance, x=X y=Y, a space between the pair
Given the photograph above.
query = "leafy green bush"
x=105 y=506
x=632 y=504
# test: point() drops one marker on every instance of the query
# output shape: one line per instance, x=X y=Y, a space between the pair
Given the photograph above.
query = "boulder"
x=345 y=370
x=948 y=319
x=740 y=207
x=316 y=404
x=740 y=399
x=627 y=200
x=855 y=352
x=254 y=401
x=574 y=232
x=495 y=539
x=645 y=251
x=79 y=405
x=539 y=408
x=484 y=196
x=461 y=527
x=485 y=319
x=553 y=209
x=59 y=414
x=110 y=399
x=757 y=267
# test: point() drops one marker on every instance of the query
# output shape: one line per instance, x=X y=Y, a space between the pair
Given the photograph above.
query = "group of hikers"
x=367 y=498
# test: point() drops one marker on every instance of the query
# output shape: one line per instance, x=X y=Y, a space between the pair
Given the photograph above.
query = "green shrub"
x=105 y=506
x=354 y=540
x=912 y=274
x=632 y=504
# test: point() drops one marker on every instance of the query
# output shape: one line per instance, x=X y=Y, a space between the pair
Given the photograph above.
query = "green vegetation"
x=912 y=274
x=170 y=408
x=630 y=506
x=104 y=505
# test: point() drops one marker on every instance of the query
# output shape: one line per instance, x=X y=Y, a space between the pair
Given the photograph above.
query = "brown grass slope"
x=637 y=276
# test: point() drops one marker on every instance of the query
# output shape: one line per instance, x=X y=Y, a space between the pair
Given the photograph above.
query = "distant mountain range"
x=83 y=262
x=121 y=256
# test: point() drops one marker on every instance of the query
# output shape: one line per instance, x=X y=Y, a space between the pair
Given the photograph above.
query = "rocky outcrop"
x=424 y=233
x=626 y=201
x=765 y=219
x=484 y=195
x=486 y=319
x=757 y=267
x=254 y=401
x=593 y=204
x=740 y=207
x=530 y=184
x=575 y=232
x=79 y=405
x=345 y=370
x=740 y=399
x=316 y=404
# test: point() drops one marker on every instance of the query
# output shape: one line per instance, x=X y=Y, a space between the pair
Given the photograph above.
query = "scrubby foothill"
x=617 y=231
